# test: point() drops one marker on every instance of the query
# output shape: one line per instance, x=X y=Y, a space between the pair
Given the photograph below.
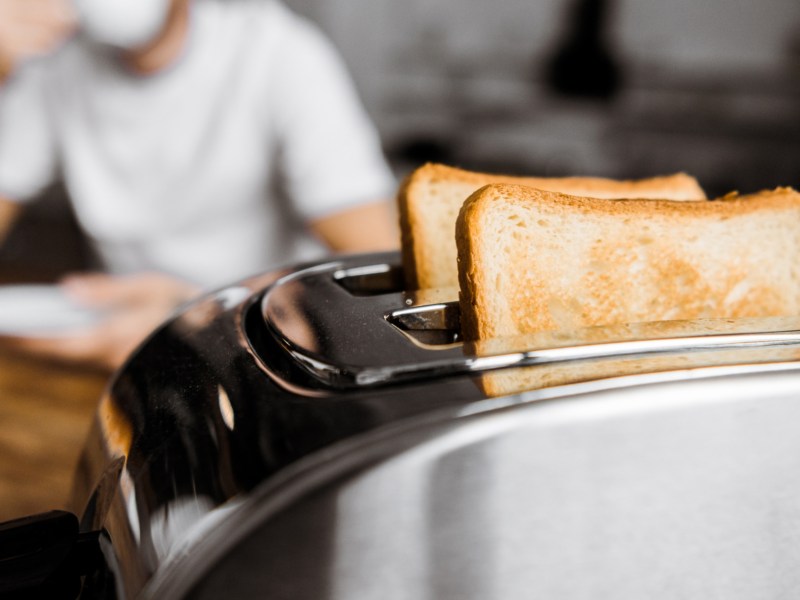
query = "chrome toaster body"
x=319 y=432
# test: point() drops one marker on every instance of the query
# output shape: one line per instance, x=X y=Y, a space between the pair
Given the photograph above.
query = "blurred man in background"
x=200 y=141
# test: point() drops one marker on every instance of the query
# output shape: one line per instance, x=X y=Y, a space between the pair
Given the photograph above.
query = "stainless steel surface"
x=239 y=454
x=661 y=489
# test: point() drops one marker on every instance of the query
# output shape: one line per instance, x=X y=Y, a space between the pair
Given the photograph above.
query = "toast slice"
x=430 y=198
x=592 y=351
x=532 y=260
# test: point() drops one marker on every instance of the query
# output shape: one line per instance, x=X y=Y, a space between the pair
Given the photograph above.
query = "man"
x=200 y=141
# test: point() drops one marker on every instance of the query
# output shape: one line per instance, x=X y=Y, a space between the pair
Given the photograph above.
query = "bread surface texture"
x=430 y=199
x=532 y=260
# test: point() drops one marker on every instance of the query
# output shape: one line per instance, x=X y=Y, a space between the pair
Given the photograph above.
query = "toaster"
x=321 y=432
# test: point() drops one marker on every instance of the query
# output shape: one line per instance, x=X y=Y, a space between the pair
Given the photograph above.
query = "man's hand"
x=134 y=306
x=30 y=28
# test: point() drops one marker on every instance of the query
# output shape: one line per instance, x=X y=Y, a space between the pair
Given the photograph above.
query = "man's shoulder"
x=40 y=74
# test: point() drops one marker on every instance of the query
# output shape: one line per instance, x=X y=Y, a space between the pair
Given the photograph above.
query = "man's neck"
x=167 y=47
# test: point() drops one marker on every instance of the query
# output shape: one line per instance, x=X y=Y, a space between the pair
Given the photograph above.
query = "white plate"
x=41 y=311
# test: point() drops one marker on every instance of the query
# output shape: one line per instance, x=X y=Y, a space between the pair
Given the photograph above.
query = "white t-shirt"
x=209 y=169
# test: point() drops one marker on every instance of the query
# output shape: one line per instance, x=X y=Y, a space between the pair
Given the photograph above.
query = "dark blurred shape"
x=46 y=242
x=422 y=149
x=44 y=556
x=583 y=65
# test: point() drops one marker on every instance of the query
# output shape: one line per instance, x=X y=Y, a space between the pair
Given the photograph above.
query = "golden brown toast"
x=534 y=261
x=430 y=198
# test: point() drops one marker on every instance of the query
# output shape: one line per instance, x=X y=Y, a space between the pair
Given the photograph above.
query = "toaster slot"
x=370 y=280
x=429 y=325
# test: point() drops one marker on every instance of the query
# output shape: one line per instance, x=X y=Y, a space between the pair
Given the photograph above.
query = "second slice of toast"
x=532 y=260
x=430 y=198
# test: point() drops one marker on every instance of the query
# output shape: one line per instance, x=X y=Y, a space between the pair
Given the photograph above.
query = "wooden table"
x=46 y=409
x=45 y=414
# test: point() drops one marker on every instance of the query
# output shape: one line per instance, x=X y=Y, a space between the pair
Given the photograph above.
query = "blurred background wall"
x=712 y=87
x=709 y=87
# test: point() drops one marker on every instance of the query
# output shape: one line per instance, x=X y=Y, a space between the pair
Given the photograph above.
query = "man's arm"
x=367 y=228
x=135 y=304
x=9 y=211
x=28 y=28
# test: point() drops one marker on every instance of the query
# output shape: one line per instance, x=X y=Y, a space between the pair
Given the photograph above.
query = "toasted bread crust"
x=512 y=381
x=430 y=198
x=682 y=185
x=577 y=262
x=408 y=243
